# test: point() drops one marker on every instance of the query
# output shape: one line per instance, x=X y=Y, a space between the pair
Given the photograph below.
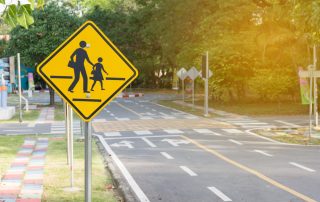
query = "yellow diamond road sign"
x=87 y=71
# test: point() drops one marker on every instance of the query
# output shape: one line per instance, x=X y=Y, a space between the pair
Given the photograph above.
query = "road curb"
x=127 y=95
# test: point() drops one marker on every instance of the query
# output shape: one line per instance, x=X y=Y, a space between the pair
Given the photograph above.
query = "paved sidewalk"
x=46 y=115
x=23 y=181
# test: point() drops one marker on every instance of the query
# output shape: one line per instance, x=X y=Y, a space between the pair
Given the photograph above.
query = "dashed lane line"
x=251 y=171
x=133 y=184
x=148 y=142
x=166 y=155
x=189 y=171
x=219 y=194
x=233 y=131
x=235 y=141
x=302 y=167
x=263 y=153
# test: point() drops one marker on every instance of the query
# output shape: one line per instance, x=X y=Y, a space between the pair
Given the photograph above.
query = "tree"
x=20 y=13
x=52 y=26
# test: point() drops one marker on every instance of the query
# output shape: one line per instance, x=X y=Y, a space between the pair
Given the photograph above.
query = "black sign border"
x=94 y=113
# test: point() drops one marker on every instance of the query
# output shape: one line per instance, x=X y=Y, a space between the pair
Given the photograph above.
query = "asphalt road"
x=207 y=164
x=163 y=154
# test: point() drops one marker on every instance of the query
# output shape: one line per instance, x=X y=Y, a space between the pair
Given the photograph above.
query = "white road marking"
x=219 y=194
x=143 y=132
x=168 y=117
x=112 y=134
x=250 y=123
x=302 y=167
x=287 y=123
x=235 y=141
x=173 y=131
x=123 y=144
x=232 y=131
x=146 y=118
x=202 y=131
x=122 y=119
x=31 y=125
x=263 y=153
x=175 y=142
x=137 y=137
x=188 y=170
x=191 y=117
x=163 y=114
x=133 y=184
x=111 y=114
x=165 y=154
x=148 y=142
x=153 y=110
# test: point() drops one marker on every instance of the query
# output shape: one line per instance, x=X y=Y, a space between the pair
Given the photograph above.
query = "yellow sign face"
x=87 y=71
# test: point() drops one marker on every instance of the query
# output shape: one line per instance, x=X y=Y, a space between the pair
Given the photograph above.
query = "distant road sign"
x=182 y=73
x=87 y=71
x=193 y=73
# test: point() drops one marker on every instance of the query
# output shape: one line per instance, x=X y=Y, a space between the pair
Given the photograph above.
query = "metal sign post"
x=182 y=74
x=193 y=74
x=19 y=83
x=206 y=85
x=70 y=120
x=311 y=69
x=315 y=86
x=89 y=99
x=88 y=159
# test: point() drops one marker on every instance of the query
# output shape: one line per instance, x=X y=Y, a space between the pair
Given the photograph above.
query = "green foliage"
x=19 y=14
x=270 y=85
x=52 y=26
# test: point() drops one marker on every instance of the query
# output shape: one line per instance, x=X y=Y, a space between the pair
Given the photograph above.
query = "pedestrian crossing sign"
x=87 y=70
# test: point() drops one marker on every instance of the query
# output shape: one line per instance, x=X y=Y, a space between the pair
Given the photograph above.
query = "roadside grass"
x=186 y=109
x=59 y=112
x=290 y=137
x=9 y=146
x=258 y=109
x=31 y=115
x=57 y=174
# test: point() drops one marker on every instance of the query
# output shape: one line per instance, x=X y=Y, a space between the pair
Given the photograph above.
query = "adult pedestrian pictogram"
x=87 y=70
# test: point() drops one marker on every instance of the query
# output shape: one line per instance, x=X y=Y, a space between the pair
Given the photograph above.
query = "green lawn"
x=57 y=174
x=259 y=109
x=31 y=115
x=9 y=146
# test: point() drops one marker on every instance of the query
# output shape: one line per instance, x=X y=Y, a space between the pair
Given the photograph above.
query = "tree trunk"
x=51 y=92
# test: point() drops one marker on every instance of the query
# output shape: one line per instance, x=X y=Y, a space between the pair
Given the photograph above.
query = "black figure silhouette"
x=97 y=74
x=78 y=66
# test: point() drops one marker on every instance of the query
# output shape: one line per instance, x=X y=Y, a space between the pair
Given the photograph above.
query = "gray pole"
x=88 y=155
x=67 y=132
x=206 y=101
x=182 y=89
x=193 y=94
x=315 y=98
x=310 y=101
x=70 y=114
x=19 y=83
